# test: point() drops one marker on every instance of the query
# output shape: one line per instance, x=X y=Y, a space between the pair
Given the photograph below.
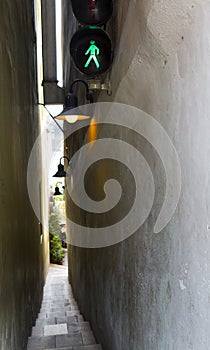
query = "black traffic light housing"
x=91 y=47
x=91 y=50
x=92 y=12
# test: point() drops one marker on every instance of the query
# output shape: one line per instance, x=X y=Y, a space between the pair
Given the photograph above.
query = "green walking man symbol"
x=93 y=51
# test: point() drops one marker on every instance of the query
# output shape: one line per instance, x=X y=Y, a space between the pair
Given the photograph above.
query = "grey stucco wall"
x=151 y=292
x=21 y=255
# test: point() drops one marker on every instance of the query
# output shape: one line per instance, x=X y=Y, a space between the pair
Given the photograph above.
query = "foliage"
x=57 y=252
x=54 y=222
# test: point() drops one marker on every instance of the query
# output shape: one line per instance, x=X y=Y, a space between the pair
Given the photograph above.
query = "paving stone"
x=66 y=348
x=57 y=314
x=88 y=338
x=82 y=347
x=88 y=347
x=55 y=309
x=74 y=307
x=41 y=342
x=51 y=298
x=73 y=303
x=68 y=340
x=59 y=303
x=55 y=300
x=67 y=319
x=55 y=329
x=78 y=327
x=42 y=315
x=72 y=313
x=37 y=331
x=80 y=318
x=49 y=321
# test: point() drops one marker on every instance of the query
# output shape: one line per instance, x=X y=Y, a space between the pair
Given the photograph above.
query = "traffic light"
x=92 y=12
x=91 y=50
x=91 y=47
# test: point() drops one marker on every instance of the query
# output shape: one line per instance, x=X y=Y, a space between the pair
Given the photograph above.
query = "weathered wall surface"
x=21 y=255
x=151 y=292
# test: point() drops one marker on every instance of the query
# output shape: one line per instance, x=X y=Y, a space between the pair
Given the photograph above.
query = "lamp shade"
x=72 y=115
x=61 y=172
x=57 y=192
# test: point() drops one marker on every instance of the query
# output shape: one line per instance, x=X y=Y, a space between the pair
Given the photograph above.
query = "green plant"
x=54 y=222
x=57 y=252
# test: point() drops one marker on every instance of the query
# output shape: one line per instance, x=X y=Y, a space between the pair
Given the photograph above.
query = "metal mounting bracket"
x=96 y=84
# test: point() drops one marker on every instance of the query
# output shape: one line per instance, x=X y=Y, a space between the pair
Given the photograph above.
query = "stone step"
x=56 y=320
x=55 y=309
x=54 y=341
x=61 y=297
x=70 y=319
x=88 y=337
x=82 y=347
x=61 y=283
x=61 y=340
x=61 y=303
x=56 y=300
x=81 y=326
x=41 y=330
x=44 y=315
x=45 y=321
x=59 y=324
x=41 y=343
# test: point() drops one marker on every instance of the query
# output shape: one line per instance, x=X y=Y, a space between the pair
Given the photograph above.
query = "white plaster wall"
x=162 y=65
x=152 y=291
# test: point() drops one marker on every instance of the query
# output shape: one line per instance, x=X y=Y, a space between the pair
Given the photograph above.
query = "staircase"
x=59 y=324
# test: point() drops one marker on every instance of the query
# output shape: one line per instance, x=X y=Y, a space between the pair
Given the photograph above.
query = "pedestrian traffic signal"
x=91 y=50
x=92 y=12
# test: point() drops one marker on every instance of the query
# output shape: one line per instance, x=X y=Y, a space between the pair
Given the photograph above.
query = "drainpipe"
x=53 y=94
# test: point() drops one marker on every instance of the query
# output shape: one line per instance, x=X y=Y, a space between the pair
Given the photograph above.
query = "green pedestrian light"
x=91 y=50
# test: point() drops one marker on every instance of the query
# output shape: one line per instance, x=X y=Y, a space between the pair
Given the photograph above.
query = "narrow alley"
x=105 y=163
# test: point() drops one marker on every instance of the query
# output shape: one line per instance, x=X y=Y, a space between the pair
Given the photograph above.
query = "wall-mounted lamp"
x=61 y=172
x=57 y=192
x=71 y=102
x=57 y=189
